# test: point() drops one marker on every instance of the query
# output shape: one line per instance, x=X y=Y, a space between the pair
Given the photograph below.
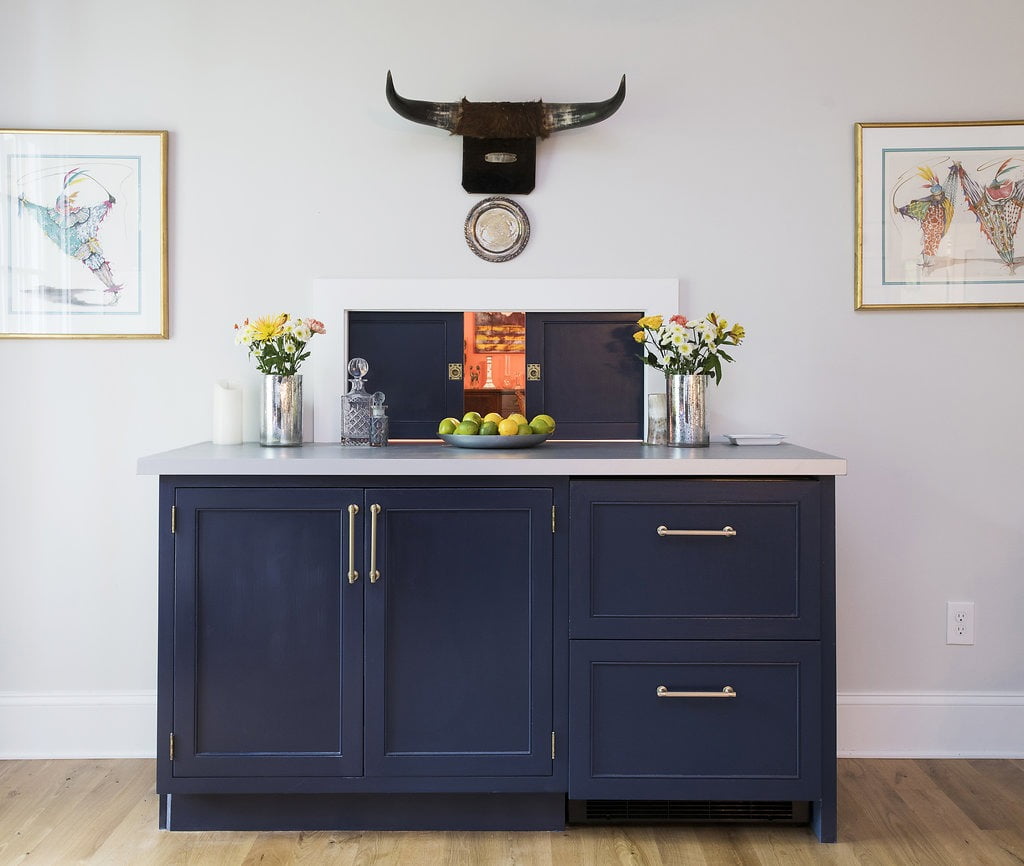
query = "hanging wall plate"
x=497 y=229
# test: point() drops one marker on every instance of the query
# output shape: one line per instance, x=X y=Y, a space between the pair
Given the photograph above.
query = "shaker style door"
x=267 y=634
x=458 y=673
x=409 y=356
x=583 y=370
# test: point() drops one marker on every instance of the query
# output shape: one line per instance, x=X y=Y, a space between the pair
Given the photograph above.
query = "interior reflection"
x=494 y=362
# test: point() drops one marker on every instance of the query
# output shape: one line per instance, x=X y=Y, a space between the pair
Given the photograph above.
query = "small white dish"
x=755 y=438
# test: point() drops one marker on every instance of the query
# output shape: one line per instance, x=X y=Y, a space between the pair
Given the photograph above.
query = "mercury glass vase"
x=281 y=411
x=687 y=410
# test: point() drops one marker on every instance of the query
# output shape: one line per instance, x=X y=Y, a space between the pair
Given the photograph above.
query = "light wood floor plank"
x=891 y=813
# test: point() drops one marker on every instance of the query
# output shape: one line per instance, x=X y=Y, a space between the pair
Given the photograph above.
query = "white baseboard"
x=77 y=725
x=879 y=725
x=930 y=725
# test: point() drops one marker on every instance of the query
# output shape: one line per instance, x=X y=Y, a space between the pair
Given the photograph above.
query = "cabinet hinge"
x=552 y=745
x=171 y=750
x=174 y=519
x=552 y=518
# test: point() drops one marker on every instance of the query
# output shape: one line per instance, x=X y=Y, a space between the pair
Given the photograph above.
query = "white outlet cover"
x=960 y=623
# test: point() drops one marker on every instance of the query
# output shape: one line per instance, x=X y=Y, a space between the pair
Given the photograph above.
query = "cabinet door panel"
x=762 y=742
x=629 y=581
x=267 y=645
x=591 y=381
x=458 y=634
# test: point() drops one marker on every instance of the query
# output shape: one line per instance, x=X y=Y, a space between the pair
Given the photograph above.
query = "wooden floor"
x=890 y=812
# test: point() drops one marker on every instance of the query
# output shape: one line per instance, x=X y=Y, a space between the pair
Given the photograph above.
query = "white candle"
x=657 y=405
x=227 y=413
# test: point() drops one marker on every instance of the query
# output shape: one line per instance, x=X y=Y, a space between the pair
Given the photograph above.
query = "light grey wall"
x=730 y=167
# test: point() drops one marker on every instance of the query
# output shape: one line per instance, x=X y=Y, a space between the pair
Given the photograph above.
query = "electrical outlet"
x=960 y=622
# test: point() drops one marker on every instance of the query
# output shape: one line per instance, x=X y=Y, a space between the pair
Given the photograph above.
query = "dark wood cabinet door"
x=267 y=634
x=583 y=370
x=409 y=356
x=458 y=670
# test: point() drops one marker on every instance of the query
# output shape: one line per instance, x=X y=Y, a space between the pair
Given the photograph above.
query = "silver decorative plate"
x=497 y=229
x=494 y=441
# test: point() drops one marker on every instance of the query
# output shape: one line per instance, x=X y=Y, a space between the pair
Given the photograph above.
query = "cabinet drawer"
x=628 y=580
x=763 y=742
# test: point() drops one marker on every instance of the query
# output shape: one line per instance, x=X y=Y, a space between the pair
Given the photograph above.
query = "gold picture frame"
x=938 y=206
x=83 y=234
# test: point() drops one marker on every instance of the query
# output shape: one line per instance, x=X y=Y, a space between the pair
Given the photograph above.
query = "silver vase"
x=281 y=411
x=687 y=410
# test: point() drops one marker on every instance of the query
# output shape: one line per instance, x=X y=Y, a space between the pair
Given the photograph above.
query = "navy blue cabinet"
x=734 y=701
x=358 y=633
x=373 y=653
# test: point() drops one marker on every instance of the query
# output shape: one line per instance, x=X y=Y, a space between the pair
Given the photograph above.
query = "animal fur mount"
x=499 y=139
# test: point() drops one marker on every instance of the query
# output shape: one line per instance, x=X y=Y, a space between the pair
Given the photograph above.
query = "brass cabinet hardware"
x=727 y=692
x=552 y=518
x=725 y=531
x=374 y=574
x=455 y=372
x=533 y=372
x=353 y=575
x=552 y=745
x=174 y=519
x=172 y=747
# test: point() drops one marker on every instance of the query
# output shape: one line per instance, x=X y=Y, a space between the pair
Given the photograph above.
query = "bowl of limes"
x=494 y=431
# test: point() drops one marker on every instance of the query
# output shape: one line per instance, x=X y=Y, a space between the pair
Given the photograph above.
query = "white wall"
x=730 y=166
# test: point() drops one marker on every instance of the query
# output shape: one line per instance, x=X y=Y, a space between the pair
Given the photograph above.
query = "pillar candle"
x=227 y=413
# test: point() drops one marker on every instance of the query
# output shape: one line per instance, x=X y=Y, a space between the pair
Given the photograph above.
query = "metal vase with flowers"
x=690 y=354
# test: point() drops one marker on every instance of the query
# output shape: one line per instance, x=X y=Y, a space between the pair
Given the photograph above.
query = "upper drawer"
x=627 y=580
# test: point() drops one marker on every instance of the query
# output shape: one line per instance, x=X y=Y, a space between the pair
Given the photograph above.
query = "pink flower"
x=678 y=320
x=317 y=327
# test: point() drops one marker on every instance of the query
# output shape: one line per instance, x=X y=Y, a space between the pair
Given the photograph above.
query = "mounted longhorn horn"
x=499 y=139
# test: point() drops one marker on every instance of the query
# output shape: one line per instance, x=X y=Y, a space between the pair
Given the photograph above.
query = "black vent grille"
x=686 y=811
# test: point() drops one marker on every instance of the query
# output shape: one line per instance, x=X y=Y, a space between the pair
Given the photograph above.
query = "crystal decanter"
x=355 y=406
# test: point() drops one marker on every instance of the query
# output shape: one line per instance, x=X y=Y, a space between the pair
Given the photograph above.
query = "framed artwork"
x=500 y=333
x=83 y=234
x=938 y=208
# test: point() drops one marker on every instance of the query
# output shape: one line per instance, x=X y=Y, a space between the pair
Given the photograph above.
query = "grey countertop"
x=550 y=458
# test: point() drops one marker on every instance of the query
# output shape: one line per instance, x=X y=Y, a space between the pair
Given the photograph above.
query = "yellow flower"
x=738 y=332
x=652 y=322
x=639 y=336
x=268 y=327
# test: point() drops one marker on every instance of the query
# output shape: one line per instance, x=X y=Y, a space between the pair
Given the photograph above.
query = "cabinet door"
x=410 y=357
x=589 y=378
x=267 y=634
x=630 y=580
x=689 y=720
x=458 y=671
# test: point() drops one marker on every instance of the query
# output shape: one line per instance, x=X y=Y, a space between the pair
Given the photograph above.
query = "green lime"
x=488 y=428
x=540 y=428
x=467 y=428
x=447 y=426
x=547 y=419
x=472 y=416
x=525 y=430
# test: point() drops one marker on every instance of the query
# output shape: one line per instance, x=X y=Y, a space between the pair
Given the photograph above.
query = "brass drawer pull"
x=727 y=692
x=353 y=575
x=725 y=531
x=374 y=574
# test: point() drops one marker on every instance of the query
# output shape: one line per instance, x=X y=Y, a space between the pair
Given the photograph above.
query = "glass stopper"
x=357 y=368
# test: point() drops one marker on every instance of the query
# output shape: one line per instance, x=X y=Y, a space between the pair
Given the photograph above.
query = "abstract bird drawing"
x=75 y=229
x=934 y=211
x=998 y=207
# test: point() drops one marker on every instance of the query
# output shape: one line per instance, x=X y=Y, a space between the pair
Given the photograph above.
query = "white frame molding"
x=333 y=299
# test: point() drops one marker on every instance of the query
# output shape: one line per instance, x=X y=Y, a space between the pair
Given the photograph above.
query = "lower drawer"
x=760 y=739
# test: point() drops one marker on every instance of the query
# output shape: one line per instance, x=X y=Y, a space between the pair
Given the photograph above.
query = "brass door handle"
x=727 y=692
x=725 y=531
x=374 y=574
x=353 y=575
